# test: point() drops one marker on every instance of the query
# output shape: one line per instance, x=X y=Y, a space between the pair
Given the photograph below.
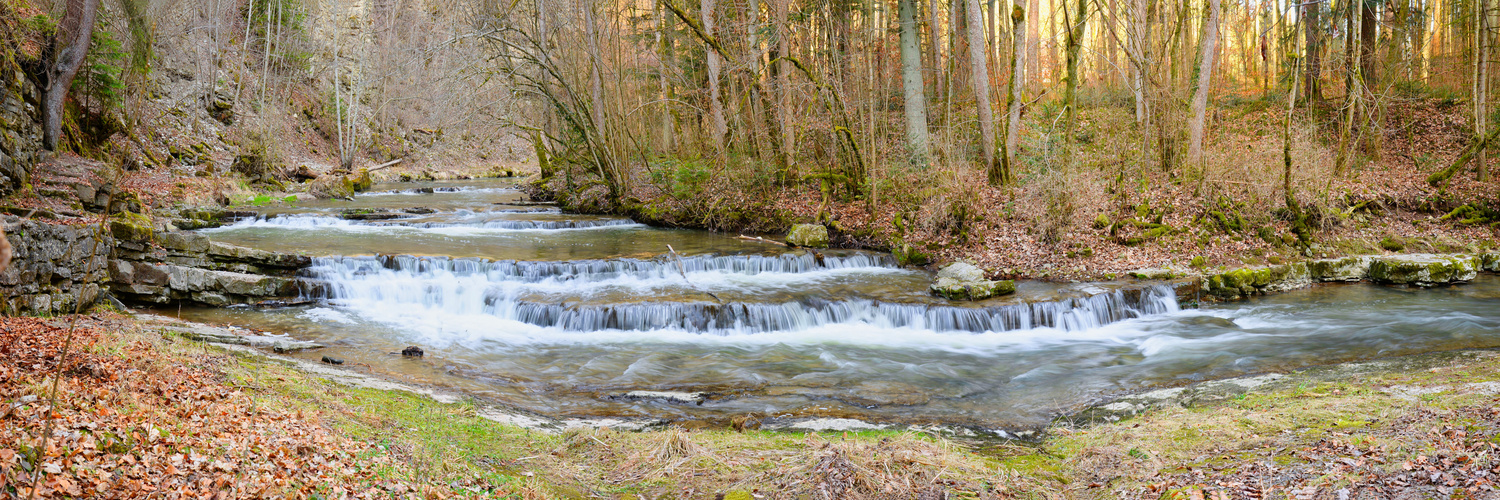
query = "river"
x=566 y=315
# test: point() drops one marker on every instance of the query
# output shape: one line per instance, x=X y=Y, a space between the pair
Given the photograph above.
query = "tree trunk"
x=979 y=62
x=1286 y=146
x=596 y=78
x=934 y=50
x=1033 y=42
x=1077 y=24
x=1209 y=46
x=1481 y=84
x=1002 y=175
x=719 y=128
x=783 y=111
x=1368 y=24
x=911 y=83
x=664 y=55
x=70 y=46
x=1311 y=29
x=1138 y=45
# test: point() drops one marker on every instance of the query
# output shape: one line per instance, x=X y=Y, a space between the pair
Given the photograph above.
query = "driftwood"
x=760 y=239
x=681 y=269
x=386 y=164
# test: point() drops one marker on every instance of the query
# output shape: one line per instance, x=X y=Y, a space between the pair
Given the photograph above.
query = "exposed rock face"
x=1424 y=269
x=58 y=267
x=20 y=133
x=808 y=235
x=961 y=281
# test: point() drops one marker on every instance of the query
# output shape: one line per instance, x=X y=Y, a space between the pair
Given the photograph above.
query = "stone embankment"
x=59 y=266
x=1422 y=270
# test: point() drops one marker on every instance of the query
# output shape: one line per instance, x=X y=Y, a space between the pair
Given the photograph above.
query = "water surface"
x=567 y=318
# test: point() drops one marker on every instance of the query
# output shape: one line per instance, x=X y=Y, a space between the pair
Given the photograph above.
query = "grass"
x=1405 y=411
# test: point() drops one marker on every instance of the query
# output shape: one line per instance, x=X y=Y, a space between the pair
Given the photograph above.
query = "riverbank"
x=140 y=411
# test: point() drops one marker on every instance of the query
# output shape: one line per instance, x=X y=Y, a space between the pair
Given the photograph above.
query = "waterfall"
x=476 y=286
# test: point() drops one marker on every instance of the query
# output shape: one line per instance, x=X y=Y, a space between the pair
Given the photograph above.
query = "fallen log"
x=1441 y=177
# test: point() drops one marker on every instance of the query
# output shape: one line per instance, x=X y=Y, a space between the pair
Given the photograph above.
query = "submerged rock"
x=413 y=351
x=808 y=235
x=1424 y=269
x=961 y=281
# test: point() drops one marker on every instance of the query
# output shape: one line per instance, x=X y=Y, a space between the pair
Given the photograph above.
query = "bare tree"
x=1002 y=175
x=1481 y=84
x=69 y=46
x=1209 y=46
x=1312 y=51
x=1077 y=25
x=715 y=66
x=980 y=65
x=912 y=86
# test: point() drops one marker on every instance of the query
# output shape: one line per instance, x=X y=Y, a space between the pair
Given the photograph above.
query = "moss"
x=908 y=255
x=1393 y=244
x=130 y=226
x=1199 y=262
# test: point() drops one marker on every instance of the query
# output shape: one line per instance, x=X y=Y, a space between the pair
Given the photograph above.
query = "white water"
x=669 y=297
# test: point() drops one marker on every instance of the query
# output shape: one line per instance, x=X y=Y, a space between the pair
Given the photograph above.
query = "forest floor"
x=142 y=412
x=1106 y=214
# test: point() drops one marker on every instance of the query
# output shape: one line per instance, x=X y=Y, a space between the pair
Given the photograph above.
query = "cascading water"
x=565 y=314
x=468 y=286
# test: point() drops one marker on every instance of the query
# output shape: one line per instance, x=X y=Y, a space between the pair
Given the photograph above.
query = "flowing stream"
x=566 y=314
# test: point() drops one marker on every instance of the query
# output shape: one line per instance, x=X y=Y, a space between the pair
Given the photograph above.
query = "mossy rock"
x=1102 y=222
x=953 y=289
x=908 y=255
x=362 y=182
x=1490 y=262
x=1424 y=270
x=1199 y=262
x=1392 y=244
x=1345 y=269
x=125 y=229
x=808 y=235
x=1152 y=274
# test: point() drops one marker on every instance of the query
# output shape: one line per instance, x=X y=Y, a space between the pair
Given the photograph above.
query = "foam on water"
x=483 y=299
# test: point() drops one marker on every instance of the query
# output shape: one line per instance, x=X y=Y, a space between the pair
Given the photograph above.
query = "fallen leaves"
x=143 y=422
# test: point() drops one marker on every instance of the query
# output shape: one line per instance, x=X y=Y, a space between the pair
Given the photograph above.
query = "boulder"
x=961 y=281
x=1255 y=280
x=1490 y=261
x=1424 y=269
x=961 y=271
x=1345 y=269
x=808 y=235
